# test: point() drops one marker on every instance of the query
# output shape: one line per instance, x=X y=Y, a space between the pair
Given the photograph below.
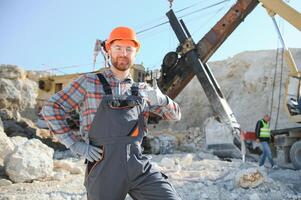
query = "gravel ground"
x=194 y=176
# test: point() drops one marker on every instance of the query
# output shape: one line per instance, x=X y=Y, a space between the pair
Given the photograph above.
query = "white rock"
x=254 y=196
x=12 y=72
x=31 y=160
x=16 y=91
x=60 y=175
x=168 y=163
x=6 y=146
x=5 y=182
x=217 y=132
x=186 y=160
x=76 y=170
x=18 y=140
x=68 y=166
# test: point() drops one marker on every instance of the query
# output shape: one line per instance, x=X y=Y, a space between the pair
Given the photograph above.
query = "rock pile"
x=6 y=146
x=195 y=176
x=24 y=157
x=15 y=125
x=17 y=92
x=29 y=161
x=169 y=141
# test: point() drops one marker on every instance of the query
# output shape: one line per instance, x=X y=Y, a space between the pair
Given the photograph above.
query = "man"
x=113 y=114
x=263 y=135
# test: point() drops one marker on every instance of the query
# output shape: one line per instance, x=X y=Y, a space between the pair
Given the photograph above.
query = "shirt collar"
x=108 y=73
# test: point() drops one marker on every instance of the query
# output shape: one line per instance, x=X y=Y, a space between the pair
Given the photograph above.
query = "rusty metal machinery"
x=178 y=76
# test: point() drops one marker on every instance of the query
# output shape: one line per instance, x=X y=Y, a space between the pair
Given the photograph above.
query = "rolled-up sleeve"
x=55 y=109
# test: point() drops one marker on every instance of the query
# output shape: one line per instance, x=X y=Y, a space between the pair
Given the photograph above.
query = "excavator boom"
x=178 y=78
x=178 y=68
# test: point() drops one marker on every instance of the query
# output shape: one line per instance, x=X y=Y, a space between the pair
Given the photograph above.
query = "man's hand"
x=156 y=97
x=91 y=153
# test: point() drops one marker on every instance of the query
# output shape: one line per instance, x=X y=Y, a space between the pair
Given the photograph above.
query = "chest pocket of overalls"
x=120 y=114
x=123 y=115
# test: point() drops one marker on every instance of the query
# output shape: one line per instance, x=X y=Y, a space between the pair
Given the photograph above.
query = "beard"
x=121 y=63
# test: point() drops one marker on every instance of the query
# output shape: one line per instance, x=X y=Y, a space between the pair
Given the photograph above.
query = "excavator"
x=223 y=134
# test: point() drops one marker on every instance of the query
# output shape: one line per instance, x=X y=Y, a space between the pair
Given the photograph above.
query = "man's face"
x=267 y=118
x=122 y=53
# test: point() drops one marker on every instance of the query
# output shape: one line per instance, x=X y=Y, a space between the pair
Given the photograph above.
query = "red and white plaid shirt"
x=85 y=94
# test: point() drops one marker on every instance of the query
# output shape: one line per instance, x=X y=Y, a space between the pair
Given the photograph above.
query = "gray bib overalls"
x=118 y=128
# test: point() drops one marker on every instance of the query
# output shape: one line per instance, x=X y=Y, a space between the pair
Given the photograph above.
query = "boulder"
x=249 y=178
x=16 y=91
x=68 y=166
x=6 y=146
x=5 y=182
x=161 y=144
x=190 y=140
x=12 y=72
x=10 y=96
x=18 y=140
x=31 y=160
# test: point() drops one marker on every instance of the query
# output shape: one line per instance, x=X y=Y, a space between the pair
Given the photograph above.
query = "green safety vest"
x=265 y=130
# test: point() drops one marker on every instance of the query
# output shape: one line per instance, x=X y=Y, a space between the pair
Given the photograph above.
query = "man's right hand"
x=156 y=97
x=91 y=153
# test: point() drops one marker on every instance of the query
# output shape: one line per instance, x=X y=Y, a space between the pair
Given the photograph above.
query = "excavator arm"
x=177 y=77
x=190 y=58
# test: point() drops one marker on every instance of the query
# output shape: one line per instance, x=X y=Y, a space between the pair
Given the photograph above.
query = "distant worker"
x=113 y=115
x=263 y=135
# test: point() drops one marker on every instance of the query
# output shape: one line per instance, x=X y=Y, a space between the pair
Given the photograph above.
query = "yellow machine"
x=288 y=141
x=292 y=92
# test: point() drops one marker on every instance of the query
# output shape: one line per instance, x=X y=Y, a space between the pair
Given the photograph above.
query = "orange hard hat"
x=122 y=33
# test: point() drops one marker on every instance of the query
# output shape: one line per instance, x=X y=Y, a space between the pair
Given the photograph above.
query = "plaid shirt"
x=85 y=94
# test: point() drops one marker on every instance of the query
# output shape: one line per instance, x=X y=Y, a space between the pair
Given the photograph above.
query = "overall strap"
x=106 y=86
x=134 y=89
